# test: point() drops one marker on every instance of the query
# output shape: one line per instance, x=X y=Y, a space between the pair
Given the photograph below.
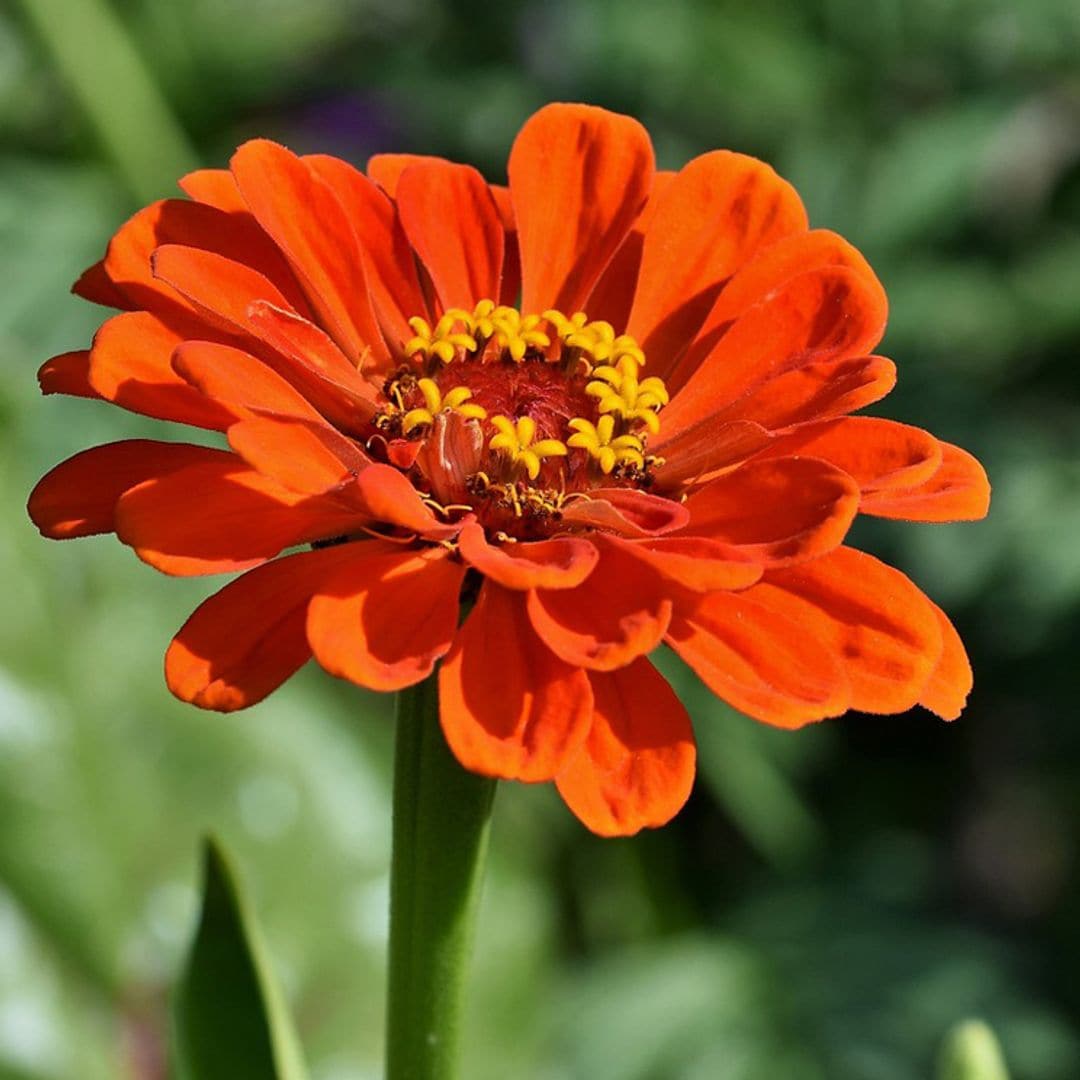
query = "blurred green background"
x=830 y=901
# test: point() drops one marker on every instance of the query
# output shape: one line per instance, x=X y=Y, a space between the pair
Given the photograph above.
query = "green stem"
x=441 y=821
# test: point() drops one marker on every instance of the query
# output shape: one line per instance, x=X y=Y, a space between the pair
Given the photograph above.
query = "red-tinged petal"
x=131 y=366
x=695 y=454
x=305 y=357
x=562 y=563
x=245 y=385
x=693 y=562
x=620 y=612
x=219 y=289
x=950 y=683
x=95 y=285
x=511 y=267
x=613 y=295
x=636 y=768
x=818 y=391
x=222 y=516
x=305 y=456
x=194 y=225
x=386 y=169
x=509 y=707
x=579 y=177
x=296 y=337
x=68 y=373
x=215 y=187
x=826 y=314
x=714 y=216
x=505 y=205
x=958 y=491
x=879 y=455
x=450 y=454
x=389 y=263
x=759 y=661
x=626 y=512
x=777 y=512
x=78 y=497
x=451 y=220
x=299 y=211
x=246 y=640
x=879 y=626
x=383 y=494
x=770 y=269
x=383 y=622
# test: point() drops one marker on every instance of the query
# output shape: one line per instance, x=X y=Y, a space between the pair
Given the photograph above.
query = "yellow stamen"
x=604 y=446
x=444 y=341
x=516 y=441
x=455 y=400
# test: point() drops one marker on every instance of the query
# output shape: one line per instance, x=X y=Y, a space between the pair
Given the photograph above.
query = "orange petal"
x=777 y=512
x=389 y=264
x=194 y=225
x=714 y=216
x=509 y=707
x=219 y=289
x=78 y=497
x=879 y=626
x=695 y=454
x=562 y=563
x=817 y=391
x=303 y=455
x=511 y=265
x=243 y=384
x=636 y=768
x=626 y=512
x=95 y=285
x=825 y=314
x=299 y=211
x=240 y=301
x=879 y=455
x=452 y=222
x=383 y=622
x=68 y=373
x=221 y=516
x=693 y=562
x=383 y=494
x=613 y=295
x=215 y=187
x=950 y=683
x=769 y=270
x=386 y=169
x=958 y=491
x=131 y=366
x=246 y=640
x=620 y=612
x=579 y=176
x=311 y=362
x=759 y=661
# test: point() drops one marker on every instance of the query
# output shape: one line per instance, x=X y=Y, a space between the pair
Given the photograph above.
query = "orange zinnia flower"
x=605 y=408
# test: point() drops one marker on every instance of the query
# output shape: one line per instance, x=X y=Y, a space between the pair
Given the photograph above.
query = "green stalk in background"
x=101 y=66
x=442 y=816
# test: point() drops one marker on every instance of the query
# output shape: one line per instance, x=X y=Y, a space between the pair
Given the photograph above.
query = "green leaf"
x=972 y=1052
x=230 y=1021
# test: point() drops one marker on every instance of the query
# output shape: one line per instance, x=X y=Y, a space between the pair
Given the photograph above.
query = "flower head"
x=608 y=406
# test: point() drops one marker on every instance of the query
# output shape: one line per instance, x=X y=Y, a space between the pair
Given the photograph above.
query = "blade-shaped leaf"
x=230 y=1020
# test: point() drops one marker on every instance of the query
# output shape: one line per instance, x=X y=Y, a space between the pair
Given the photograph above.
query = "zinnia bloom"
x=599 y=410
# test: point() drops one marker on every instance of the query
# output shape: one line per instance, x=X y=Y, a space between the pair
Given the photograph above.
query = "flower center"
x=512 y=415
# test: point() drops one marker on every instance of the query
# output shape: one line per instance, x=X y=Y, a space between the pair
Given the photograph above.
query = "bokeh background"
x=831 y=900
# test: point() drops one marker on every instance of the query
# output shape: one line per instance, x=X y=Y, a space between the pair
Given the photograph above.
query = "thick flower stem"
x=442 y=815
